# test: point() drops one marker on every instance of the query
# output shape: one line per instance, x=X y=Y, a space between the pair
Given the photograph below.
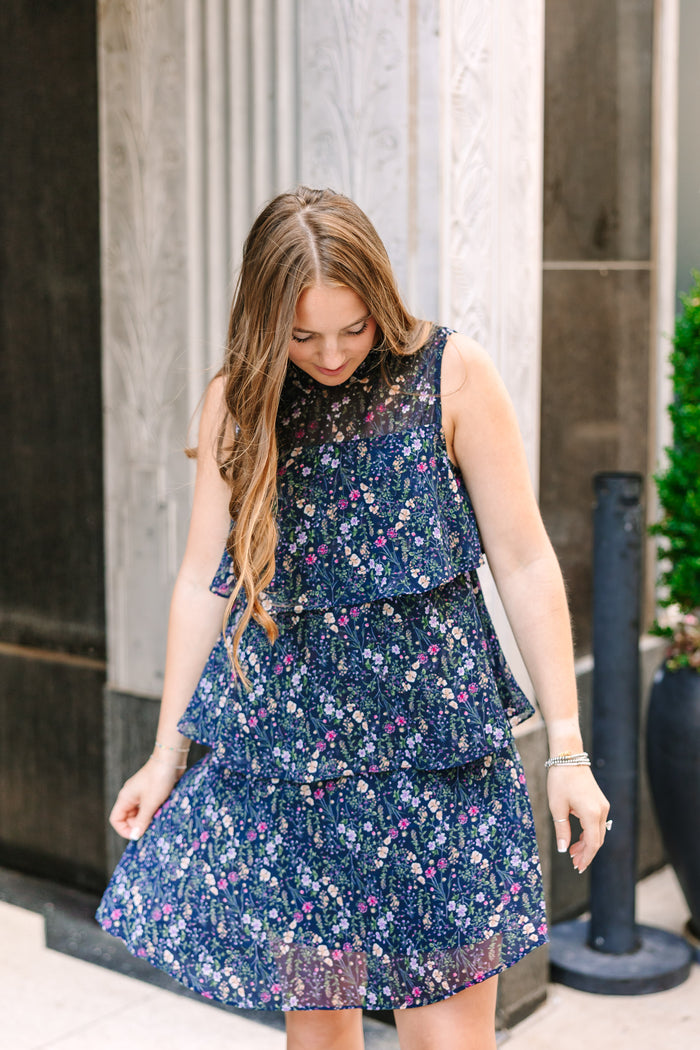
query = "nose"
x=331 y=355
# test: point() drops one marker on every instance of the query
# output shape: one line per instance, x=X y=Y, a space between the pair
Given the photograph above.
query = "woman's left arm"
x=484 y=440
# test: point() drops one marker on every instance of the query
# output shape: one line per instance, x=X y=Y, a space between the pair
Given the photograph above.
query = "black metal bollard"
x=617 y=566
x=609 y=954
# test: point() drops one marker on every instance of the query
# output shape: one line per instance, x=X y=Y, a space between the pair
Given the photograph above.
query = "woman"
x=360 y=834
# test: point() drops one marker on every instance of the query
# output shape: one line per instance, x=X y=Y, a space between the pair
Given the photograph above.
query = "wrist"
x=564 y=734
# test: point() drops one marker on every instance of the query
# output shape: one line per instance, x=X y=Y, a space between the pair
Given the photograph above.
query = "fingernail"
x=135 y=834
x=561 y=845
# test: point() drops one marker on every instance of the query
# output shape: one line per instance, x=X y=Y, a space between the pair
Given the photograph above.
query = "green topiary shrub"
x=678 y=487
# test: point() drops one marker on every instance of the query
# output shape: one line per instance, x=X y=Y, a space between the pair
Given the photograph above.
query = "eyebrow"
x=307 y=331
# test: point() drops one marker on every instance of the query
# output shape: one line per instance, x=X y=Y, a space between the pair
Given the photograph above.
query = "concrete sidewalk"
x=51 y=1001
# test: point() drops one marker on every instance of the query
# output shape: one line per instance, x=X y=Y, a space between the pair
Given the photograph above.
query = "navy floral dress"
x=360 y=833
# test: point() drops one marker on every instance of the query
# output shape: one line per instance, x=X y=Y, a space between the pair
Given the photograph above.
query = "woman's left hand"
x=573 y=790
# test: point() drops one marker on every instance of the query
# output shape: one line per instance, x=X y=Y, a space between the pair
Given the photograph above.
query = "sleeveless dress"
x=360 y=833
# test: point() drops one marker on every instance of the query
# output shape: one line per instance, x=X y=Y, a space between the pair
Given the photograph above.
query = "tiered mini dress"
x=359 y=834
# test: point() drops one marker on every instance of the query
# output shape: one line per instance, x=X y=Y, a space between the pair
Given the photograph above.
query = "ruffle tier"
x=367 y=519
x=388 y=892
x=418 y=680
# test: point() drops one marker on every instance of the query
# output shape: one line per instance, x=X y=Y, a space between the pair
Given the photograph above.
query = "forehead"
x=328 y=307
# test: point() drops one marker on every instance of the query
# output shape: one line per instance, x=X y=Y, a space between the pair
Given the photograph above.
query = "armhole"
x=441 y=336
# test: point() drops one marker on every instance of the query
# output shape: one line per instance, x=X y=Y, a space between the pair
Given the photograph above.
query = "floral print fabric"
x=394 y=890
x=360 y=833
x=418 y=680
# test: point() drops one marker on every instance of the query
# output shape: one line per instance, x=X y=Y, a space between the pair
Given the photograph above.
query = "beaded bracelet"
x=568 y=758
x=178 y=750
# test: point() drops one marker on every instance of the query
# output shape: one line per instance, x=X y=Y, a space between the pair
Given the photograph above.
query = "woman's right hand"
x=141 y=796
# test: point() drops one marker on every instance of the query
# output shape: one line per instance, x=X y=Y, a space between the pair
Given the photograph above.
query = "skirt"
x=382 y=891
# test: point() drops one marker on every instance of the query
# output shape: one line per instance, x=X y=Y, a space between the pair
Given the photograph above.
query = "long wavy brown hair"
x=300 y=239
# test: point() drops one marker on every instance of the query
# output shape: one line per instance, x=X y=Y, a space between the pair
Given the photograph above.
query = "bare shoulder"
x=213 y=413
x=464 y=363
x=470 y=383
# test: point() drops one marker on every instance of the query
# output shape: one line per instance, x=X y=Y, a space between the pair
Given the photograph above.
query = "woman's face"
x=333 y=333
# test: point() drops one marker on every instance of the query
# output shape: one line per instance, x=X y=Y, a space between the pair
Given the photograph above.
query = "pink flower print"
x=323 y=549
x=168 y=908
x=422 y=658
x=195 y=844
x=462 y=696
x=432 y=461
x=429 y=872
x=342 y=620
x=422 y=467
x=116 y=914
x=391 y=533
x=472 y=687
x=369 y=417
x=354 y=611
x=331 y=734
x=261 y=714
x=276 y=988
x=310 y=559
x=336 y=954
x=251 y=835
x=265 y=996
x=232 y=877
x=473 y=811
x=380 y=408
x=355 y=495
x=393 y=833
x=362 y=906
x=141 y=953
x=221 y=884
x=342 y=503
x=298 y=916
x=318 y=793
x=372 y=901
x=307 y=906
x=288 y=659
x=262 y=826
x=252 y=721
x=207 y=995
x=157 y=914
x=389 y=727
x=442 y=863
x=380 y=541
x=515 y=888
x=462 y=818
x=403 y=823
x=204 y=836
x=278 y=669
x=432 y=649
x=542 y=928
x=400 y=720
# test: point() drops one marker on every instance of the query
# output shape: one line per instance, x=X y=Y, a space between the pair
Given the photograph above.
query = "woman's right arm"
x=193 y=627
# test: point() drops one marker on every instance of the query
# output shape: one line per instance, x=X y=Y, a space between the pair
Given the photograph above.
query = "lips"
x=331 y=371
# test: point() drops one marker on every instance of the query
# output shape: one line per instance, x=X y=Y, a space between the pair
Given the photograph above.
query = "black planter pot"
x=673 y=756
